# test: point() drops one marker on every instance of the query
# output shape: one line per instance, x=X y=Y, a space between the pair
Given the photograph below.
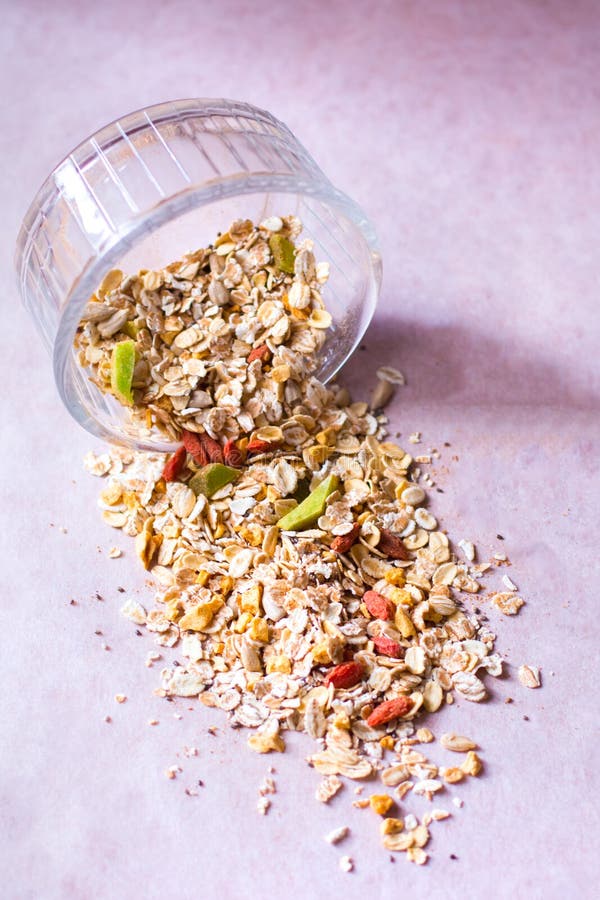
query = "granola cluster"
x=346 y=621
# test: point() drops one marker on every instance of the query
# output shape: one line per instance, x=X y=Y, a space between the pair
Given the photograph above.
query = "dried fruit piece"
x=122 y=365
x=284 y=253
x=212 y=478
x=345 y=675
x=472 y=764
x=212 y=448
x=391 y=545
x=266 y=742
x=261 y=353
x=194 y=446
x=343 y=542
x=390 y=710
x=131 y=330
x=232 y=455
x=386 y=646
x=258 y=446
x=379 y=606
x=307 y=512
x=391 y=826
x=174 y=464
x=381 y=803
x=200 y=617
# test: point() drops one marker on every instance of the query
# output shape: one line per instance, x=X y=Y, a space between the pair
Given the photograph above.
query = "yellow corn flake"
x=220 y=530
x=202 y=577
x=381 y=803
x=387 y=742
x=273 y=494
x=342 y=721
x=401 y=597
x=320 y=655
x=279 y=664
x=249 y=601
x=404 y=623
x=147 y=543
x=227 y=585
x=174 y=611
x=200 y=617
x=327 y=437
x=263 y=742
x=259 y=630
x=242 y=623
x=252 y=534
x=395 y=577
x=472 y=764
x=391 y=826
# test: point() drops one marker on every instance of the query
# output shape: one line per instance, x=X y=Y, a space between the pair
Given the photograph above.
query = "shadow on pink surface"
x=453 y=365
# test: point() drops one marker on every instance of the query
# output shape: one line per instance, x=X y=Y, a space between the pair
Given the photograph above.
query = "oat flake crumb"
x=346 y=864
x=337 y=835
x=529 y=676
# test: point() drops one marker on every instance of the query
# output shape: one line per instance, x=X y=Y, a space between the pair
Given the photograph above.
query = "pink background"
x=470 y=134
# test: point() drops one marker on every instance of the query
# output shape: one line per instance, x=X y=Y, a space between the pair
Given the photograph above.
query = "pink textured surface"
x=469 y=132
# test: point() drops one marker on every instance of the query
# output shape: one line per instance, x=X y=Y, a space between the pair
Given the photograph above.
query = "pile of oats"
x=346 y=630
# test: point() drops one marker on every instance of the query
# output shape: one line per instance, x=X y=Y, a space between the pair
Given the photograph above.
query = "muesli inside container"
x=161 y=182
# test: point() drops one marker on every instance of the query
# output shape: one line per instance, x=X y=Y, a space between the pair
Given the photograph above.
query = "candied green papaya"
x=284 y=253
x=122 y=365
x=312 y=508
x=211 y=478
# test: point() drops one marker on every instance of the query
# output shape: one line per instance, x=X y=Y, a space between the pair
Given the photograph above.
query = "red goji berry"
x=392 y=546
x=174 y=464
x=258 y=446
x=213 y=449
x=378 y=605
x=232 y=455
x=390 y=709
x=195 y=447
x=261 y=353
x=343 y=542
x=386 y=646
x=345 y=675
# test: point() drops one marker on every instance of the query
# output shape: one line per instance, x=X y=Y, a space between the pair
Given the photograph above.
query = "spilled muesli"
x=300 y=573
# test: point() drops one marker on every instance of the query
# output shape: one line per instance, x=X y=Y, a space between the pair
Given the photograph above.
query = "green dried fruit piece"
x=212 y=478
x=130 y=329
x=310 y=509
x=283 y=252
x=122 y=365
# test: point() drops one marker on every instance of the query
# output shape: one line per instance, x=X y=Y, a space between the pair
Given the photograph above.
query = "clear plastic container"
x=161 y=182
